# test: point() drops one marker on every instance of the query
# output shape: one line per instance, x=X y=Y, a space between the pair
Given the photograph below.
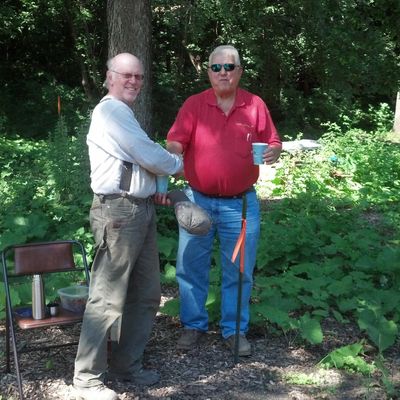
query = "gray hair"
x=226 y=50
x=110 y=63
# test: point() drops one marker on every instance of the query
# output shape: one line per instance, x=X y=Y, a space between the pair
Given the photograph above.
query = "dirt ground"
x=280 y=368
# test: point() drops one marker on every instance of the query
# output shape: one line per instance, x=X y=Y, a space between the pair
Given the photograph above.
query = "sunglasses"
x=218 y=67
x=138 y=77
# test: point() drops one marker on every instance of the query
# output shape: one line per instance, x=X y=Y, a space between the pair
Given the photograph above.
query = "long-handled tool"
x=240 y=246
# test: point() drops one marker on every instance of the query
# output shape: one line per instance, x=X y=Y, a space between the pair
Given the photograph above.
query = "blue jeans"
x=194 y=262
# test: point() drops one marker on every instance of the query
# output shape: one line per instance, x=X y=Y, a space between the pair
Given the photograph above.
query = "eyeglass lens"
x=218 y=67
x=138 y=77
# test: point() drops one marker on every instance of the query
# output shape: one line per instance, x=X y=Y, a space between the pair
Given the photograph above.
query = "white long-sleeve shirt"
x=115 y=136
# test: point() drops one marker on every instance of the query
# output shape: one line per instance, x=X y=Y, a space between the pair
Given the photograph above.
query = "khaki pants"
x=124 y=288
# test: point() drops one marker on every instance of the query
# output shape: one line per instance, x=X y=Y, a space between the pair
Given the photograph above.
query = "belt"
x=221 y=196
x=136 y=200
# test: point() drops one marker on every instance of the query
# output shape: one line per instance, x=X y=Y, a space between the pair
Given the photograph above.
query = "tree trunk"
x=396 y=125
x=129 y=30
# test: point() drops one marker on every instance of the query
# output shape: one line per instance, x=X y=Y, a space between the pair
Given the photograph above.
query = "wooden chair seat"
x=64 y=317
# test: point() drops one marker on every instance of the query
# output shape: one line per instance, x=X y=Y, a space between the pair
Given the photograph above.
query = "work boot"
x=244 y=345
x=99 y=392
x=141 y=377
x=188 y=339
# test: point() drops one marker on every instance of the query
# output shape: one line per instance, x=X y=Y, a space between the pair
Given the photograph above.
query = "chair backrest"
x=37 y=258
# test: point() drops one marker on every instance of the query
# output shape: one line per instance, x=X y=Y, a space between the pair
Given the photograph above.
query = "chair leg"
x=10 y=326
x=8 y=369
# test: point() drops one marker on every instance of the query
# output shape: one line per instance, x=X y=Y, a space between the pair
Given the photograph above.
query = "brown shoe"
x=244 y=345
x=188 y=339
x=141 y=377
x=100 y=392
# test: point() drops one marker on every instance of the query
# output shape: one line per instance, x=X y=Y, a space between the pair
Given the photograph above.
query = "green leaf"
x=347 y=358
x=49 y=364
x=313 y=302
x=16 y=294
x=166 y=245
x=215 y=275
x=381 y=331
x=273 y=314
x=213 y=303
x=171 y=308
x=347 y=304
x=389 y=260
x=339 y=317
x=342 y=286
x=310 y=329
x=169 y=274
x=321 y=313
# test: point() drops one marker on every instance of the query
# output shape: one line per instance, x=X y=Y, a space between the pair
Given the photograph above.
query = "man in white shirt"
x=125 y=285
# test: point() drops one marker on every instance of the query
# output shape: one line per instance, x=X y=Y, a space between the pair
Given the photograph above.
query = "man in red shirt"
x=214 y=130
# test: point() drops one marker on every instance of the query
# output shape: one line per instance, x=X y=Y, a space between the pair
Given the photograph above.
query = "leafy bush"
x=329 y=245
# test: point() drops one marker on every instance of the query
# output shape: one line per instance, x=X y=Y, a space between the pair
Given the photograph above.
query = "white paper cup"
x=53 y=309
x=162 y=183
x=258 y=150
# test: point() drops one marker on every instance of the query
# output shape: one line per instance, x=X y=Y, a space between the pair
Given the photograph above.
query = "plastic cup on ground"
x=258 y=150
x=162 y=183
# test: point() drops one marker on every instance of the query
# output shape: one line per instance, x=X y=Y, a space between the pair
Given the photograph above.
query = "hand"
x=271 y=155
x=162 y=199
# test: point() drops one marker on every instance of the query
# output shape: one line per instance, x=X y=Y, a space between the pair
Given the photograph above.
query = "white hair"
x=226 y=50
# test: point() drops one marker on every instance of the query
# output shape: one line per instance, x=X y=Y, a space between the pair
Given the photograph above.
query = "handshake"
x=189 y=215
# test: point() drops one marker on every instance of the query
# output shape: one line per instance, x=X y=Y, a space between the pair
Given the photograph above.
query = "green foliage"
x=382 y=332
x=301 y=379
x=340 y=253
x=44 y=59
x=289 y=50
x=168 y=275
x=290 y=54
x=45 y=188
x=329 y=245
x=171 y=307
x=348 y=358
x=49 y=364
x=167 y=246
x=386 y=377
x=67 y=151
x=45 y=195
x=310 y=329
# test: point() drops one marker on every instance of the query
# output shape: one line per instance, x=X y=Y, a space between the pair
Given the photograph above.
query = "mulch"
x=281 y=367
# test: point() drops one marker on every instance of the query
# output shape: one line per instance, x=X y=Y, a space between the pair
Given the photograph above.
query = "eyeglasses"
x=138 y=77
x=227 y=67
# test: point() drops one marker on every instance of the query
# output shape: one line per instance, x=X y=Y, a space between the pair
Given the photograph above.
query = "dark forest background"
x=313 y=62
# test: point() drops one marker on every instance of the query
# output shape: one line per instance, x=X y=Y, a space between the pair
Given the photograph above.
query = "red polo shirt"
x=217 y=147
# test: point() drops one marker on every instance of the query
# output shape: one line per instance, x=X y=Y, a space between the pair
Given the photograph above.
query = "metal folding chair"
x=19 y=261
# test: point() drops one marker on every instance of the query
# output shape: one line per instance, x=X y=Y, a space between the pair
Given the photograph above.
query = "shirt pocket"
x=243 y=138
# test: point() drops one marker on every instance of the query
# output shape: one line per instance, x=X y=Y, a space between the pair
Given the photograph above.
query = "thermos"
x=38 y=301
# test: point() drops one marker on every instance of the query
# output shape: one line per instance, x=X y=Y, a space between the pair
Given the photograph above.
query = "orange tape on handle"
x=240 y=245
